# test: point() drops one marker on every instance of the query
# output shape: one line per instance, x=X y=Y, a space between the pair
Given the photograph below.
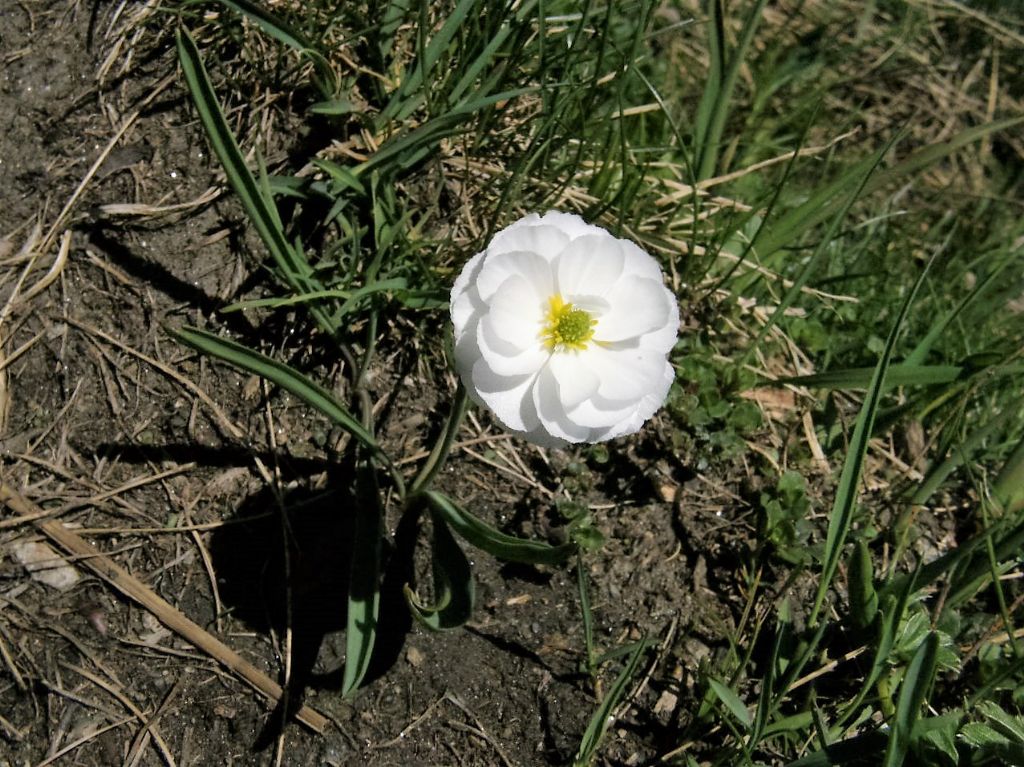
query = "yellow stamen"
x=566 y=327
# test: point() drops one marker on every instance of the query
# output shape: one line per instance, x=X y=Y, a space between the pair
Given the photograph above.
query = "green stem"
x=443 y=447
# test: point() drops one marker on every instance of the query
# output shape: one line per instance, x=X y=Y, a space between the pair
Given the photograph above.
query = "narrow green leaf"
x=918 y=678
x=860 y=579
x=891 y=611
x=350 y=297
x=602 y=718
x=454 y=589
x=841 y=518
x=939 y=472
x=278 y=373
x=732 y=702
x=492 y=541
x=343 y=176
x=724 y=82
x=860 y=378
x=364 y=584
x=260 y=208
x=796 y=723
x=767 y=702
x=333 y=107
x=858 y=182
x=920 y=352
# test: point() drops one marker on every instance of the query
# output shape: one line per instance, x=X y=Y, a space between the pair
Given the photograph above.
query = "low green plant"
x=789 y=248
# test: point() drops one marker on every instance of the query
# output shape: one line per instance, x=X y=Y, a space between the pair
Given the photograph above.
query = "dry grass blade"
x=166 y=613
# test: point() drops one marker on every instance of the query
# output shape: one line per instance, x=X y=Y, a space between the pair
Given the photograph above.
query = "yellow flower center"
x=566 y=327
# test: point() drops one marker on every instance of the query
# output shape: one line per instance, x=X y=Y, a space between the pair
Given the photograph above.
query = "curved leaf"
x=492 y=541
x=454 y=588
x=284 y=376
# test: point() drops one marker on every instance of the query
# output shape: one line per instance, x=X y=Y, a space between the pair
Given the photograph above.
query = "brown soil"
x=92 y=419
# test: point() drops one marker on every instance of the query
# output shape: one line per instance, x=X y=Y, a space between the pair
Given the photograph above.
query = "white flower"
x=563 y=331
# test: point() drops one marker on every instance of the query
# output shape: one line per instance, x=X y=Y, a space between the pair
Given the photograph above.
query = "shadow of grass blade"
x=277 y=28
x=278 y=373
x=845 y=502
x=454 y=588
x=492 y=541
x=601 y=719
x=261 y=211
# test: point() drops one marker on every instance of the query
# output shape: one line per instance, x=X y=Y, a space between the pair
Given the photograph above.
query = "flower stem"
x=443 y=446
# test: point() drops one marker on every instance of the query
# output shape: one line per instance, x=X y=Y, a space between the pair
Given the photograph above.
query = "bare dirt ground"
x=113 y=229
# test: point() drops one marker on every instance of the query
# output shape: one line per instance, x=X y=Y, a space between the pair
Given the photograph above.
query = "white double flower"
x=563 y=331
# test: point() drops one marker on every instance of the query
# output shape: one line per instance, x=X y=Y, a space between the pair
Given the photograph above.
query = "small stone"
x=415 y=657
x=46 y=565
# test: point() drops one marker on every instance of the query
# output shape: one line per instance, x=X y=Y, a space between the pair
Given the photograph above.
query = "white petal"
x=589 y=266
x=546 y=241
x=627 y=374
x=664 y=338
x=647 y=407
x=504 y=358
x=570 y=224
x=595 y=306
x=576 y=381
x=465 y=300
x=551 y=411
x=541 y=437
x=638 y=262
x=597 y=412
x=499 y=267
x=638 y=306
x=467 y=353
x=510 y=398
x=516 y=313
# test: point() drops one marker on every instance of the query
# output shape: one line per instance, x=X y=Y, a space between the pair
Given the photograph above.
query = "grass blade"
x=861 y=586
x=732 y=702
x=602 y=719
x=1008 y=488
x=788 y=228
x=714 y=107
x=350 y=297
x=402 y=103
x=327 y=81
x=860 y=378
x=492 y=541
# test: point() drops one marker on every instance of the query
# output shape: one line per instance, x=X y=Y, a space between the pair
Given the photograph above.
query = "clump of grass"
x=801 y=197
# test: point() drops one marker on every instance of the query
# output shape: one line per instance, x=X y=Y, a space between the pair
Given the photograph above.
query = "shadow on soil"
x=269 y=563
